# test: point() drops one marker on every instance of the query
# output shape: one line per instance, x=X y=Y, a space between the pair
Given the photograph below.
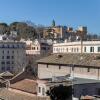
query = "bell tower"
x=53 y=23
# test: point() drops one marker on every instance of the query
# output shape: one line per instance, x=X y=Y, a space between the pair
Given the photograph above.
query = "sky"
x=65 y=12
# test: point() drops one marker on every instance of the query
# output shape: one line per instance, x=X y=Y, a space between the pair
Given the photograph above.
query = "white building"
x=77 y=47
x=32 y=48
x=12 y=56
x=37 y=47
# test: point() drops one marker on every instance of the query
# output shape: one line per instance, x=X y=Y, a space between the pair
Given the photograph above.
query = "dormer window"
x=59 y=56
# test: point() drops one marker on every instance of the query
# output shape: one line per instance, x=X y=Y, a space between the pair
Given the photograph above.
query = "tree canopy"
x=60 y=93
x=23 y=29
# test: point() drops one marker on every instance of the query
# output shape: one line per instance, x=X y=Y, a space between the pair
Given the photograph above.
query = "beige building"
x=82 y=31
x=62 y=32
x=55 y=32
x=82 y=69
x=77 y=65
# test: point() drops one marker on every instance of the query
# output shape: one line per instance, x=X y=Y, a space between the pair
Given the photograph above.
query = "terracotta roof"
x=7 y=94
x=26 y=85
x=75 y=59
x=23 y=75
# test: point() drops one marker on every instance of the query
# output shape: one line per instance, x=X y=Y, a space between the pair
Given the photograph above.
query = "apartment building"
x=12 y=56
x=77 y=47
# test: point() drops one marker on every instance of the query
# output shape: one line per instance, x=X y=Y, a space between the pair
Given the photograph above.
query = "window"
x=12 y=62
x=88 y=70
x=2 y=62
x=53 y=49
x=72 y=67
x=59 y=67
x=23 y=46
x=91 y=49
x=12 y=68
x=33 y=48
x=8 y=62
x=43 y=48
x=39 y=89
x=84 y=91
x=8 y=57
x=72 y=50
x=98 y=49
x=3 y=46
x=12 y=51
x=98 y=91
x=3 y=51
x=12 y=46
x=8 y=52
x=8 y=68
x=17 y=46
x=77 y=50
x=2 y=57
x=3 y=68
x=37 y=48
x=8 y=46
x=12 y=57
x=58 y=49
x=48 y=48
x=84 y=49
x=63 y=50
x=67 y=49
x=43 y=91
x=47 y=66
